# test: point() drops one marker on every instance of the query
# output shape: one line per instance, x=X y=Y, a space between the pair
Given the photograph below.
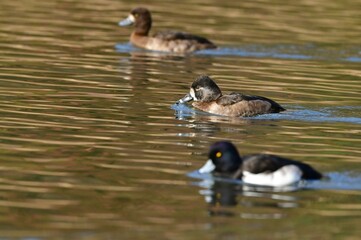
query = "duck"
x=256 y=169
x=207 y=97
x=166 y=41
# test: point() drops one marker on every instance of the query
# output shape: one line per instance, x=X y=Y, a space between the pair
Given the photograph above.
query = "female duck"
x=168 y=41
x=257 y=169
x=208 y=97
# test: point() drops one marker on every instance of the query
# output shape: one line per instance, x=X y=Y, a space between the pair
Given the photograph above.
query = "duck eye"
x=218 y=154
x=136 y=15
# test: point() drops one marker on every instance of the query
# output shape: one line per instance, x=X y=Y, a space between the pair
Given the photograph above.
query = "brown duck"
x=208 y=97
x=167 y=41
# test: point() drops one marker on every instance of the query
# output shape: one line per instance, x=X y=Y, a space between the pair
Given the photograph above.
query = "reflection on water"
x=298 y=113
x=308 y=52
x=322 y=115
x=92 y=147
x=232 y=198
x=220 y=195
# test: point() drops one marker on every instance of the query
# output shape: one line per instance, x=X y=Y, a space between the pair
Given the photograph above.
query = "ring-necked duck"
x=168 y=41
x=257 y=169
x=208 y=97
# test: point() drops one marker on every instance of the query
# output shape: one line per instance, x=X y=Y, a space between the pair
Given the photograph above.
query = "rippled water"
x=93 y=147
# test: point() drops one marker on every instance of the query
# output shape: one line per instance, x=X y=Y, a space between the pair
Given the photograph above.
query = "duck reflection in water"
x=226 y=198
x=204 y=124
x=219 y=197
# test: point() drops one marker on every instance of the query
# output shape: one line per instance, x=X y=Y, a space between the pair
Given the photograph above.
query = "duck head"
x=141 y=18
x=203 y=89
x=223 y=158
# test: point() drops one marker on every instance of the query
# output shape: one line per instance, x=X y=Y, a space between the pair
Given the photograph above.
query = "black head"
x=225 y=157
x=204 y=89
x=141 y=18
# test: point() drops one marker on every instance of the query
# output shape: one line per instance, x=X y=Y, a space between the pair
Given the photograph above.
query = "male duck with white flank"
x=256 y=169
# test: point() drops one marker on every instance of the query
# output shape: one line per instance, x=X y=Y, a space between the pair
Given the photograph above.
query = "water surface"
x=93 y=147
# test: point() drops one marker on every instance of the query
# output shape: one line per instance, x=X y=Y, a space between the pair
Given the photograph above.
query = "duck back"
x=259 y=163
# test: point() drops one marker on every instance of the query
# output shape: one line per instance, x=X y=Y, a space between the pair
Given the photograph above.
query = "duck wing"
x=174 y=35
x=260 y=163
x=235 y=97
x=231 y=99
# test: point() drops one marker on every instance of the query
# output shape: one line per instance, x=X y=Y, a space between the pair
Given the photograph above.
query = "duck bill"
x=186 y=98
x=208 y=167
x=127 y=22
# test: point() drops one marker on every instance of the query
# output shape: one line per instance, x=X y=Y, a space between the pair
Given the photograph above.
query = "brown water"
x=92 y=147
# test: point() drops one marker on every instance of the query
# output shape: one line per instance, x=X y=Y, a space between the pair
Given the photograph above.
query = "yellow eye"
x=136 y=15
x=218 y=154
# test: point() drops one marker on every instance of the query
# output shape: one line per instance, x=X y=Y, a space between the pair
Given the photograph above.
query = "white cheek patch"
x=192 y=93
x=284 y=176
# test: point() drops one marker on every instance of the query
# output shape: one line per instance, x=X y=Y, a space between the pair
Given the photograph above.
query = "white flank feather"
x=284 y=176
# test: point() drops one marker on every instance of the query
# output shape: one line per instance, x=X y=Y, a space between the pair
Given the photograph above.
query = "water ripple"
x=296 y=113
x=296 y=52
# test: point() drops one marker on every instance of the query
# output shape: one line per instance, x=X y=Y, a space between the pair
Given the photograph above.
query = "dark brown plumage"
x=208 y=97
x=167 y=41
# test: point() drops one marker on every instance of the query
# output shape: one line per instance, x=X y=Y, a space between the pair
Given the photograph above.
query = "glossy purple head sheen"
x=225 y=157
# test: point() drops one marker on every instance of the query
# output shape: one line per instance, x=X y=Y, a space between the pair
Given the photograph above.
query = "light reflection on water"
x=293 y=113
x=332 y=180
x=257 y=202
x=307 y=52
x=92 y=147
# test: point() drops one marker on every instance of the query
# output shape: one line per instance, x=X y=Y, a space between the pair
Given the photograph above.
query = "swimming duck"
x=208 y=97
x=257 y=169
x=167 y=41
